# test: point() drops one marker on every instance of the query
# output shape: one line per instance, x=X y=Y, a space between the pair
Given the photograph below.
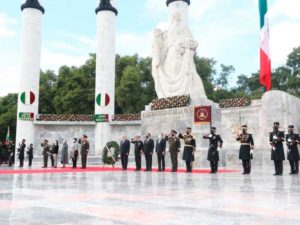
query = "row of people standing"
x=148 y=146
x=52 y=152
x=7 y=153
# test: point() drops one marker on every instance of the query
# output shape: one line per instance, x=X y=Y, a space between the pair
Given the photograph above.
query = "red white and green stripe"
x=7 y=140
x=265 y=59
x=103 y=99
x=27 y=97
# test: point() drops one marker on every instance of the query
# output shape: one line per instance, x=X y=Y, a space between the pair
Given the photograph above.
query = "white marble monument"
x=29 y=80
x=105 y=71
x=173 y=66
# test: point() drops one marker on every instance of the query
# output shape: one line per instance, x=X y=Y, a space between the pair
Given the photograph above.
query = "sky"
x=227 y=30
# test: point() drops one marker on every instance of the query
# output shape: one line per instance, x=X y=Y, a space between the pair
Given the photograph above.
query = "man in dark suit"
x=276 y=141
x=124 y=152
x=160 y=151
x=292 y=141
x=22 y=152
x=148 y=151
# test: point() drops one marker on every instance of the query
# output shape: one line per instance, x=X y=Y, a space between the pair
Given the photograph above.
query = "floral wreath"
x=110 y=157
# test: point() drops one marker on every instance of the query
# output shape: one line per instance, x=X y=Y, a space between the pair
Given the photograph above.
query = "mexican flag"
x=27 y=97
x=103 y=99
x=7 y=140
x=265 y=60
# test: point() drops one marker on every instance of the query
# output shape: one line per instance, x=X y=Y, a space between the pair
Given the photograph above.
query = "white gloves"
x=251 y=152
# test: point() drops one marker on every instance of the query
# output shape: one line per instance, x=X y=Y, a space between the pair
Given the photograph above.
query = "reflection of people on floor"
x=247 y=186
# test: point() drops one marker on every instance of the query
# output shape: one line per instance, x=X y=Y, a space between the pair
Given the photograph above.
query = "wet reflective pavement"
x=150 y=198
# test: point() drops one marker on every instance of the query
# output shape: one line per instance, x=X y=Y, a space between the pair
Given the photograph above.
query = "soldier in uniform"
x=46 y=152
x=21 y=151
x=30 y=154
x=85 y=147
x=174 y=149
x=292 y=141
x=148 y=151
x=138 y=149
x=215 y=141
x=277 y=154
x=189 y=149
x=246 y=149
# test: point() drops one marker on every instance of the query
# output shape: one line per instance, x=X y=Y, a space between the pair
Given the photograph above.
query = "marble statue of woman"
x=173 y=66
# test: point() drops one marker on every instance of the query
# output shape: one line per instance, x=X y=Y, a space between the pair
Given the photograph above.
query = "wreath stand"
x=109 y=157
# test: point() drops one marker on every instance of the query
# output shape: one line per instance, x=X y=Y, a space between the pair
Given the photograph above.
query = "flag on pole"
x=265 y=59
x=7 y=140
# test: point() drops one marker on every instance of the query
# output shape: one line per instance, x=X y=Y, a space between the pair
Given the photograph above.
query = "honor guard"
x=277 y=153
x=215 y=141
x=292 y=141
x=246 y=149
x=189 y=149
x=174 y=149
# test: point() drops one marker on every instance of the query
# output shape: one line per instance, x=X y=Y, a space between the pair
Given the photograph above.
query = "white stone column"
x=105 y=71
x=179 y=6
x=29 y=79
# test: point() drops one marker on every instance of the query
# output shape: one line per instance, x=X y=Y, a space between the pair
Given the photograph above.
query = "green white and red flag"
x=7 y=140
x=265 y=59
x=27 y=97
x=103 y=99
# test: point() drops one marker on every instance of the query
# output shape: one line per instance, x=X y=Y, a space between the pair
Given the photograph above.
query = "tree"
x=222 y=80
x=8 y=115
x=129 y=93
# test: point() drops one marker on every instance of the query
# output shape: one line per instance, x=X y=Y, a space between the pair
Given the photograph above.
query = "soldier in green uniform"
x=292 y=141
x=46 y=152
x=246 y=149
x=189 y=149
x=174 y=149
x=85 y=147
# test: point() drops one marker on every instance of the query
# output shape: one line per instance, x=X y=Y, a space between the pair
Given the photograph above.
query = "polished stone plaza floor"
x=150 y=198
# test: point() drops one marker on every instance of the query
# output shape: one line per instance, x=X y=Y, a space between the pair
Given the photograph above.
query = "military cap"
x=188 y=128
x=291 y=126
x=244 y=126
x=276 y=123
x=85 y=136
x=213 y=128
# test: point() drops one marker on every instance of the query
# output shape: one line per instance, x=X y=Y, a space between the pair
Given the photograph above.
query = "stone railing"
x=126 y=117
x=235 y=102
x=172 y=102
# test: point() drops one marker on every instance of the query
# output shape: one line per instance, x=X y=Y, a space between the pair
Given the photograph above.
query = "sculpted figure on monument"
x=173 y=66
